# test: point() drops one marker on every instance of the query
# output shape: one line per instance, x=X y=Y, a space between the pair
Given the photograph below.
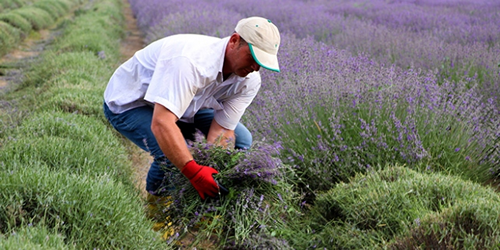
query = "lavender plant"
x=456 y=39
x=362 y=86
x=336 y=114
x=245 y=217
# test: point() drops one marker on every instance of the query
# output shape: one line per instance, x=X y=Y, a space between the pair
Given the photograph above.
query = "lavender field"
x=369 y=92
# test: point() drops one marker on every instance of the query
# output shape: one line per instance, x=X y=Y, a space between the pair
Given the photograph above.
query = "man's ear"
x=234 y=40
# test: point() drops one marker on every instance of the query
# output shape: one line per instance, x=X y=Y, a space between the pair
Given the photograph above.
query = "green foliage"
x=464 y=69
x=9 y=36
x=320 y=169
x=255 y=213
x=89 y=37
x=65 y=141
x=331 y=146
x=87 y=211
x=469 y=224
x=30 y=15
x=35 y=238
x=66 y=177
x=452 y=149
x=386 y=204
x=55 y=8
x=67 y=70
x=75 y=99
x=13 y=4
x=39 y=19
x=17 y=21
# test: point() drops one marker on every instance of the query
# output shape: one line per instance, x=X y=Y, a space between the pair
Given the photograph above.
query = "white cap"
x=263 y=39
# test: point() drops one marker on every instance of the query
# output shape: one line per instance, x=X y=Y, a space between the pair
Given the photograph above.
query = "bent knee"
x=243 y=137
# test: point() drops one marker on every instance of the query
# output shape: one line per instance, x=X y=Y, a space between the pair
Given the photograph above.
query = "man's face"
x=243 y=62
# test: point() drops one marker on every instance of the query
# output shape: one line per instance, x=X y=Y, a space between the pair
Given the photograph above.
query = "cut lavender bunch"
x=256 y=165
x=254 y=178
x=259 y=164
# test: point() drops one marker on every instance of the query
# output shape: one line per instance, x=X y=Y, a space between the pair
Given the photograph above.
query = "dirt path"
x=26 y=51
x=133 y=42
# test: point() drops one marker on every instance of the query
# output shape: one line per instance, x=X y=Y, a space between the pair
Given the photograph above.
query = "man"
x=180 y=83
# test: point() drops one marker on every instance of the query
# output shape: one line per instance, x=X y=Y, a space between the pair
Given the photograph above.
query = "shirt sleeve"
x=173 y=85
x=234 y=107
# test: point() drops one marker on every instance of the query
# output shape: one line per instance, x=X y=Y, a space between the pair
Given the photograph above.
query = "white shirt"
x=184 y=74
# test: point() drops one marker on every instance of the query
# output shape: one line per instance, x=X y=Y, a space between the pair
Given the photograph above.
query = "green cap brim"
x=257 y=60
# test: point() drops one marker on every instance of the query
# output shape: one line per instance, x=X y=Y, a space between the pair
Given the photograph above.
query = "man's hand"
x=201 y=177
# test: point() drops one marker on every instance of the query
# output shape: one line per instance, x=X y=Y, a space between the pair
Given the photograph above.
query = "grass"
x=37 y=237
x=12 y=4
x=55 y=8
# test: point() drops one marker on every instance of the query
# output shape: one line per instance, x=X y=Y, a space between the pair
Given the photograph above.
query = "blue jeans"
x=135 y=124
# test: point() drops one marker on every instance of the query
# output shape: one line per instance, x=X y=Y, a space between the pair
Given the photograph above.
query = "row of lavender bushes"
x=363 y=86
x=20 y=17
x=66 y=181
x=456 y=39
x=13 y=4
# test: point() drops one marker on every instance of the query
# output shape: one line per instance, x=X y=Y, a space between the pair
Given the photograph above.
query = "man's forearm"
x=220 y=136
x=169 y=136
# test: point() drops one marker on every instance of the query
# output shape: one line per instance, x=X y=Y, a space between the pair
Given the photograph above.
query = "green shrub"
x=66 y=69
x=38 y=18
x=386 y=204
x=55 y=8
x=17 y=21
x=65 y=141
x=9 y=37
x=78 y=100
x=89 y=36
x=35 y=238
x=89 y=212
x=12 y=4
x=469 y=224
x=65 y=175
x=96 y=31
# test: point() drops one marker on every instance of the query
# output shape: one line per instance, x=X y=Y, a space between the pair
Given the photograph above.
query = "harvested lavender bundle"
x=252 y=176
x=258 y=164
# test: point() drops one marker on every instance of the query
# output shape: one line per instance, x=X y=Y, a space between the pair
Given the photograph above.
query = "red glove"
x=201 y=178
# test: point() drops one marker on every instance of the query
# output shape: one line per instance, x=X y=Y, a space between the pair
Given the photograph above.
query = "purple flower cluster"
x=256 y=165
x=336 y=78
x=452 y=37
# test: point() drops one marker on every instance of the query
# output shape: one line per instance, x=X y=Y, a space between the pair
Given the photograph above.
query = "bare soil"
x=26 y=51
